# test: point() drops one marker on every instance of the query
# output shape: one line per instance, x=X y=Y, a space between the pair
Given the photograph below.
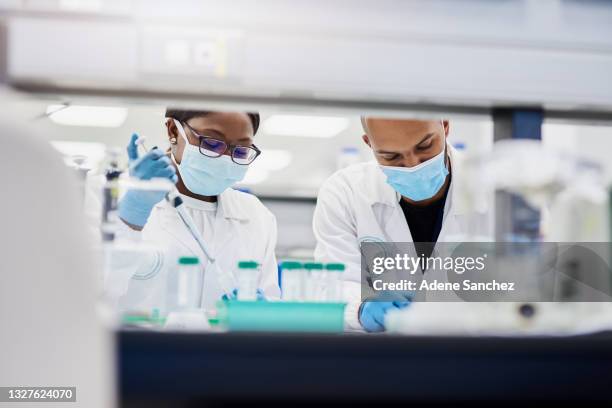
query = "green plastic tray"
x=281 y=316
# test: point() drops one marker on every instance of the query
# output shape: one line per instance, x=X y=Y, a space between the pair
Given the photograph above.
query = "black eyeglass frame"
x=231 y=148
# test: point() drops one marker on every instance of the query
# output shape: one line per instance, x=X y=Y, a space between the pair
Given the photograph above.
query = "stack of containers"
x=312 y=282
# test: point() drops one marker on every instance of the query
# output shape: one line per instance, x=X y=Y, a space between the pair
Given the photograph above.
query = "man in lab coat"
x=406 y=194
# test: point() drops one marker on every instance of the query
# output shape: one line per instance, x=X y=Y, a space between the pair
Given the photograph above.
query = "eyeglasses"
x=211 y=147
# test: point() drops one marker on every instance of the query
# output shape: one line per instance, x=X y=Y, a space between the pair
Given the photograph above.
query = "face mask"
x=205 y=175
x=419 y=182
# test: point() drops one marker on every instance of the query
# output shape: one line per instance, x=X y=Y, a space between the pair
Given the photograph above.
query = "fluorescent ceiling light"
x=307 y=126
x=81 y=115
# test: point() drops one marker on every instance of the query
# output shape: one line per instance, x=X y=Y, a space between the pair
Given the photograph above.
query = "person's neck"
x=180 y=186
x=438 y=196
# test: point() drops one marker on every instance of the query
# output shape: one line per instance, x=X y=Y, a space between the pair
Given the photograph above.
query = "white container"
x=185 y=286
x=248 y=278
x=292 y=281
x=334 y=274
x=315 y=284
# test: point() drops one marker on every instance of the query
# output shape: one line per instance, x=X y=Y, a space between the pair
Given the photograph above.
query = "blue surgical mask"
x=205 y=175
x=420 y=182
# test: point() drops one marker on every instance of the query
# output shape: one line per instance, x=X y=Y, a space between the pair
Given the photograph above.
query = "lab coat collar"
x=228 y=208
x=229 y=205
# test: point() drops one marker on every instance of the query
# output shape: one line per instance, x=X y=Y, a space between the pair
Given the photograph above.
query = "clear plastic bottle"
x=110 y=196
x=334 y=276
x=185 y=286
x=292 y=281
x=248 y=278
x=315 y=282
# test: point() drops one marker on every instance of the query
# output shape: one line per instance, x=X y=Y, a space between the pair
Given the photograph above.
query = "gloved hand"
x=234 y=295
x=372 y=312
x=136 y=205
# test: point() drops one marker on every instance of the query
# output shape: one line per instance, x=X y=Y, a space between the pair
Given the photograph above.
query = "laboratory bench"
x=234 y=369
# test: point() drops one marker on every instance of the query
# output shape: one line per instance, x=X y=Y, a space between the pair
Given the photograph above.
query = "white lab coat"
x=244 y=229
x=356 y=205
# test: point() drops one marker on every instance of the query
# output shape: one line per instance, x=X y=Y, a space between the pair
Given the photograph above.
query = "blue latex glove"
x=136 y=205
x=372 y=313
x=234 y=296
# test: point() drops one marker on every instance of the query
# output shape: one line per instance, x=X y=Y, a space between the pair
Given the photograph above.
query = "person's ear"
x=366 y=140
x=446 y=126
x=172 y=132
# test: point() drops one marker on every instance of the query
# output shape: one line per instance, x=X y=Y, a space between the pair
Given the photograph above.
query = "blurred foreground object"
x=51 y=332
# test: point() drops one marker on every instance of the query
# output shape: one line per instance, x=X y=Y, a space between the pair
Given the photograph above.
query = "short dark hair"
x=185 y=115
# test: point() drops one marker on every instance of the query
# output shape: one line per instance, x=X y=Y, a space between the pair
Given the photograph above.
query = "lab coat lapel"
x=395 y=224
x=454 y=208
x=388 y=212
x=227 y=220
x=172 y=224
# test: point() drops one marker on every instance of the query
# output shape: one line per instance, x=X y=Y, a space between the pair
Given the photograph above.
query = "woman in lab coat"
x=407 y=194
x=210 y=151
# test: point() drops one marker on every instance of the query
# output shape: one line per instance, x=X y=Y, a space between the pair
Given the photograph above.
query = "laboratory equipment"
x=177 y=203
x=81 y=168
x=583 y=205
x=185 y=285
x=333 y=282
x=140 y=141
x=500 y=318
x=110 y=196
x=248 y=278
x=184 y=301
x=314 y=284
x=292 y=281
x=281 y=316
x=225 y=278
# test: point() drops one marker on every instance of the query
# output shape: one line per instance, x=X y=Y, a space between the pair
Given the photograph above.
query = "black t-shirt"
x=425 y=223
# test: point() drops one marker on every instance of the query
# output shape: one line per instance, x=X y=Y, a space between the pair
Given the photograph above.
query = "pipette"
x=140 y=142
x=177 y=202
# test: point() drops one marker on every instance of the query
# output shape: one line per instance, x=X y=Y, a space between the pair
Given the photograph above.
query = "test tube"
x=315 y=282
x=292 y=282
x=248 y=277
x=334 y=278
x=185 y=285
